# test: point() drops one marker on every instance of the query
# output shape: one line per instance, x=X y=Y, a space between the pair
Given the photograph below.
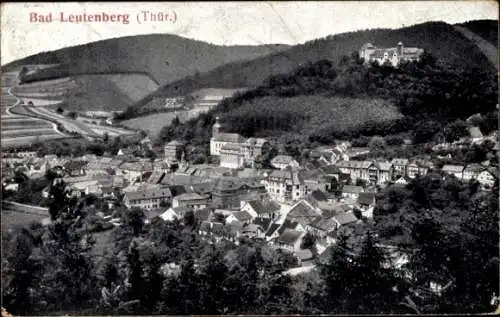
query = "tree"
x=336 y=274
x=377 y=143
x=372 y=282
x=59 y=199
x=455 y=130
x=134 y=219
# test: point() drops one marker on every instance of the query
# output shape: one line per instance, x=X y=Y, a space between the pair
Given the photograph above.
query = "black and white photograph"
x=249 y=158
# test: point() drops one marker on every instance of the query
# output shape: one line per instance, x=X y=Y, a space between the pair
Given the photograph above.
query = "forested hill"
x=487 y=29
x=440 y=39
x=166 y=58
x=323 y=101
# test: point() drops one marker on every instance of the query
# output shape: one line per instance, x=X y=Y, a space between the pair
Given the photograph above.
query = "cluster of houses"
x=333 y=191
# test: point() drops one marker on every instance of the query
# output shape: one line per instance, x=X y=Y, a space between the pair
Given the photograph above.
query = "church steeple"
x=216 y=129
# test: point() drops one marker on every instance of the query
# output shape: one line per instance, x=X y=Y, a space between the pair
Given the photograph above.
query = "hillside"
x=440 y=39
x=487 y=29
x=324 y=101
x=166 y=58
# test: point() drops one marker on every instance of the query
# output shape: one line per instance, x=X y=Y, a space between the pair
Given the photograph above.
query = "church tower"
x=400 y=49
x=216 y=129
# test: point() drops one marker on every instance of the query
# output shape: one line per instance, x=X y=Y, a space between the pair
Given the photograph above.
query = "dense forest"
x=164 y=57
x=447 y=229
x=487 y=29
x=322 y=101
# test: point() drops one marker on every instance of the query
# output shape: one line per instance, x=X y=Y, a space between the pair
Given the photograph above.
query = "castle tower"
x=216 y=129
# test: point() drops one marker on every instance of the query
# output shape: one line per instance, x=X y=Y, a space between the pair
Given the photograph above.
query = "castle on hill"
x=392 y=55
x=234 y=150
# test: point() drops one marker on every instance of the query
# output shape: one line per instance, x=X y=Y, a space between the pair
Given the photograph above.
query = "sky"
x=222 y=23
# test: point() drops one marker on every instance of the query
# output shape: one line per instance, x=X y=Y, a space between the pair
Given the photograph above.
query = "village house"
x=85 y=187
x=370 y=171
x=133 y=171
x=322 y=226
x=417 y=168
x=402 y=181
x=304 y=257
x=173 y=151
x=283 y=161
x=228 y=192
x=345 y=218
x=476 y=136
x=290 y=240
x=261 y=208
x=349 y=191
x=75 y=168
x=148 y=198
x=399 y=166
x=392 y=56
x=241 y=216
x=172 y=213
x=253 y=231
x=471 y=171
x=285 y=185
x=191 y=200
x=456 y=170
x=303 y=213
x=215 y=230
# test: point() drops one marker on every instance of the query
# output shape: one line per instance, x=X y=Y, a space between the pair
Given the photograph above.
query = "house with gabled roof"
x=228 y=192
x=147 y=198
x=345 y=218
x=284 y=161
x=322 y=226
x=261 y=208
x=253 y=230
x=303 y=212
x=290 y=240
x=191 y=200
x=286 y=185
x=351 y=191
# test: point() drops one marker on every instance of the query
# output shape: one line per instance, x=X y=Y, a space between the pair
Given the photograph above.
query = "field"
x=108 y=92
x=15 y=219
x=153 y=123
x=99 y=92
x=18 y=127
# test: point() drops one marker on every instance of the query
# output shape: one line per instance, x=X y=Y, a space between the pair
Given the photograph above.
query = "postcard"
x=249 y=158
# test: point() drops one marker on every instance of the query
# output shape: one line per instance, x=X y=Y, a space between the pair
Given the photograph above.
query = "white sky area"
x=223 y=23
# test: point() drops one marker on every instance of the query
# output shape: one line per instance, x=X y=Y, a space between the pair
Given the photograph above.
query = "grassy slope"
x=165 y=57
x=440 y=39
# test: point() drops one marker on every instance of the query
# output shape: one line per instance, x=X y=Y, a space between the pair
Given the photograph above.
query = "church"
x=234 y=150
x=392 y=55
